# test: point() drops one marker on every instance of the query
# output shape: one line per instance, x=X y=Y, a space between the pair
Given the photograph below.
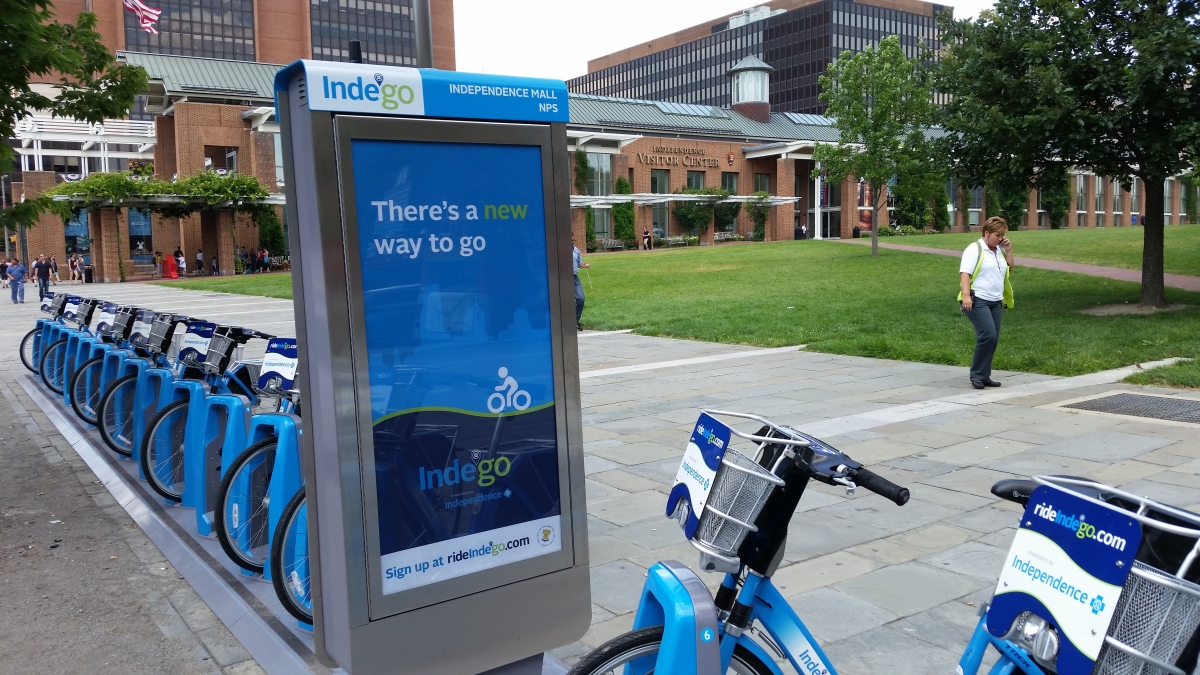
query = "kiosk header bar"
x=422 y=92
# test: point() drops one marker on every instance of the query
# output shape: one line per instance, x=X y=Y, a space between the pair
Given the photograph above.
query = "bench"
x=724 y=236
x=675 y=241
x=612 y=245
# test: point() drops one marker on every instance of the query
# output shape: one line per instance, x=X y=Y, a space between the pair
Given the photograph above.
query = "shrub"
x=622 y=214
x=693 y=241
x=758 y=212
x=908 y=230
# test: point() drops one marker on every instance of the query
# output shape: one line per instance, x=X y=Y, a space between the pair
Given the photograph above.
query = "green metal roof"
x=649 y=117
x=178 y=76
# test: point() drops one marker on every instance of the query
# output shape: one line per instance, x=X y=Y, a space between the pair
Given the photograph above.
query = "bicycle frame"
x=1012 y=657
x=694 y=643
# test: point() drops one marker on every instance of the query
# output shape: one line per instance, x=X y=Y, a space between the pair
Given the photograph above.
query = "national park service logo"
x=545 y=535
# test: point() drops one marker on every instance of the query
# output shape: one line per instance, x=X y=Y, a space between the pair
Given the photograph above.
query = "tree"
x=920 y=183
x=622 y=214
x=1056 y=196
x=880 y=102
x=583 y=172
x=726 y=214
x=91 y=86
x=1107 y=85
x=758 y=211
x=694 y=217
x=270 y=232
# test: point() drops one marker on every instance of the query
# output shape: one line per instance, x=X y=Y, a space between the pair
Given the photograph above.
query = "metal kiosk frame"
x=489 y=619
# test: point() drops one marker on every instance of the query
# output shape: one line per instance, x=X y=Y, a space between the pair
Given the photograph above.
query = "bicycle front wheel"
x=85 y=389
x=639 y=650
x=289 y=559
x=114 y=415
x=242 y=506
x=162 y=451
x=28 y=344
x=54 y=365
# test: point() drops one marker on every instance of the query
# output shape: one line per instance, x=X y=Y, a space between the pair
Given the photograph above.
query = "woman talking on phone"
x=985 y=293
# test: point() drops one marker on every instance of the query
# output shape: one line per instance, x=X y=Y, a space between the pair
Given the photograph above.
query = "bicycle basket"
x=220 y=350
x=58 y=304
x=160 y=333
x=739 y=492
x=123 y=323
x=1156 y=617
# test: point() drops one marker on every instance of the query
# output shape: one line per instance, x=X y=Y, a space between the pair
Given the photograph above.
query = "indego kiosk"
x=429 y=220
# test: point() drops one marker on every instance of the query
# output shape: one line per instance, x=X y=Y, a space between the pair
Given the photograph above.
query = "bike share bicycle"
x=260 y=528
x=734 y=509
x=61 y=351
x=199 y=421
x=1097 y=580
x=31 y=344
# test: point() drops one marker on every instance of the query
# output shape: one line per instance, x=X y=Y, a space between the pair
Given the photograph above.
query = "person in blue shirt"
x=16 y=276
x=576 y=263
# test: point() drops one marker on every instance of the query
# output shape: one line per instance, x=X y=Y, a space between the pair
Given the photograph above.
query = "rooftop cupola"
x=751 y=88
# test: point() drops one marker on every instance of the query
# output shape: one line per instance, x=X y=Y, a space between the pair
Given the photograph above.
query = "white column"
x=817 y=200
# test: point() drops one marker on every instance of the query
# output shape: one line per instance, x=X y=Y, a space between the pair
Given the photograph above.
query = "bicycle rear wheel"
x=639 y=650
x=242 y=522
x=85 y=389
x=162 y=451
x=289 y=559
x=54 y=365
x=28 y=345
x=114 y=415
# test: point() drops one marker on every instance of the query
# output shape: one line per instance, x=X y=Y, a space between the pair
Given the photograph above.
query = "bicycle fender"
x=761 y=652
x=675 y=596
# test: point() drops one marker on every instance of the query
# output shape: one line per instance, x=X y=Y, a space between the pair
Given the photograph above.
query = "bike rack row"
x=207 y=430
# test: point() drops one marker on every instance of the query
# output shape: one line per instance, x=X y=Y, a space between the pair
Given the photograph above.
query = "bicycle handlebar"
x=881 y=486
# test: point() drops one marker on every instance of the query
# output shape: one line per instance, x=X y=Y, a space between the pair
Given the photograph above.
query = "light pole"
x=817 y=199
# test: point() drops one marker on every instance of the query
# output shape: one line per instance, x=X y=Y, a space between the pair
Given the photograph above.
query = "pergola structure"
x=649 y=199
x=111 y=139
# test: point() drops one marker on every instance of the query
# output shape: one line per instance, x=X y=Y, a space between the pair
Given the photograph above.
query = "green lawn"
x=1185 y=374
x=1108 y=246
x=273 y=285
x=837 y=299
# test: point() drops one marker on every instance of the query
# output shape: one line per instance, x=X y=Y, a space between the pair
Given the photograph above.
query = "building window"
x=1135 y=200
x=762 y=182
x=384 y=27
x=600 y=180
x=695 y=180
x=76 y=234
x=1043 y=220
x=1167 y=202
x=215 y=29
x=141 y=234
x=1080 y=192
x=1081 y=219
x=1117 y=194
x=729 y=182
x=660 y=183
x=1100 y=198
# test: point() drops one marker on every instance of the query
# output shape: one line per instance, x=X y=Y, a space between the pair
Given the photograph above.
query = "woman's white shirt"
x=989 y=283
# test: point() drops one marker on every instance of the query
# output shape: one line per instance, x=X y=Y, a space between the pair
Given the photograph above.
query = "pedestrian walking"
x=158 y=264
x=985 y=292
x=4 y=273
x=577 y=263
x=16 y=280
x=647 y=240
x=181 y=265
x=804 y=231
x=54 y=270
x=200 y=262
x=41 y=274
x=215 y=270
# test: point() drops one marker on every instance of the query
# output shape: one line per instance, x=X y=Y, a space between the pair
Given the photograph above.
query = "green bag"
x=1009 y=302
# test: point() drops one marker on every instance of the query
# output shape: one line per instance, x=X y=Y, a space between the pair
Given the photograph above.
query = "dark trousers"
x=579 y=299
x=43 y=288
x=985 y=316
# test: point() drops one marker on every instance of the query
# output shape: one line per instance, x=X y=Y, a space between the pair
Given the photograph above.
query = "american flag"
x=147 y=16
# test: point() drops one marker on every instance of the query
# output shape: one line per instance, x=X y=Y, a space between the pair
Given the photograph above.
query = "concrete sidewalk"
x=1180 y=281
x=883 y=588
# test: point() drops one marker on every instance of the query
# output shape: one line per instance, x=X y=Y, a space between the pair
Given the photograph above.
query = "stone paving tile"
x=833 y=616
x=638 y=453
x=978 y=426
x=597 y=491
x=811 y=535
x=623 y=480
x=1164 y=457
x=909 y=588
x=935 y=537
x=881 y=513
x=949 y=625
x=986 y=520
x=972 y=480
x=1104 y=446
x=821 y=572
x=974 y=559
x=978 y=451
x=595 y=464
x=1037 y=462
x=628 y=508
x=886 y=650
x=929 y=438
x=605 y=548
x=919 y=464
x=652 y=533
x=1163 y=492
x=952 y=498
x=617 y=586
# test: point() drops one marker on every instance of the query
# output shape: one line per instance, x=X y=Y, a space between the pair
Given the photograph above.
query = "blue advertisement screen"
x=456 y=297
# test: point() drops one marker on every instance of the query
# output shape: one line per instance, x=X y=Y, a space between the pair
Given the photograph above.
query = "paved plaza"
x=883 y=588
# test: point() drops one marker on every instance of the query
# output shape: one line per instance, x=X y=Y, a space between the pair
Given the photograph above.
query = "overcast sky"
x=556 y=38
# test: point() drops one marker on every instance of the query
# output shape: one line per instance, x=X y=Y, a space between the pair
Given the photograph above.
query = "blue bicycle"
x=54 y=305
x=739 y=528
x=87 y=385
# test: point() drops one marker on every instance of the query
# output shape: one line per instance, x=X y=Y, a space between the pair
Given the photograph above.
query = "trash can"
x=799 y=234
x=87 y=274
x=857 y=232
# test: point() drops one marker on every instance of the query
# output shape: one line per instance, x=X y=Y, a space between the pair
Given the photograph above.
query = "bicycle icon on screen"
x=507 y=394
